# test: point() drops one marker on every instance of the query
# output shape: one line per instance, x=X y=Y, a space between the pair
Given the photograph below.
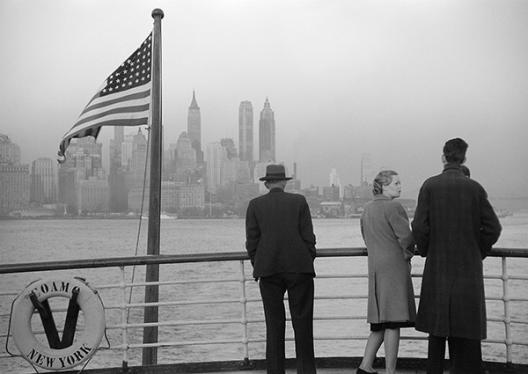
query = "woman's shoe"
x=361 y=371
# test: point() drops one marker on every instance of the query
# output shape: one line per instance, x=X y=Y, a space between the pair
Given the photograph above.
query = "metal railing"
x=244 y=339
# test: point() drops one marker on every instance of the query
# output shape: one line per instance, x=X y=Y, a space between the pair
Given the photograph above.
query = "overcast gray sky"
x=393 y=78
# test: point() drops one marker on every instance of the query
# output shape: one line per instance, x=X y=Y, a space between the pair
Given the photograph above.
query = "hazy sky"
x=393 y=78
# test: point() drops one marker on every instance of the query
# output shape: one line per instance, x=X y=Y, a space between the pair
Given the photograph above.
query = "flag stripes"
x=124 y=99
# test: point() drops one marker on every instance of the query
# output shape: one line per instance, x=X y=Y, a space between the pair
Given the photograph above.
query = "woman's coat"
x=385 y=229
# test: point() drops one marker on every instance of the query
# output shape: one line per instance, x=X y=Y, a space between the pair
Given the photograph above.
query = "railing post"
x=124 y=319
x=243 y=302
x=507 y=316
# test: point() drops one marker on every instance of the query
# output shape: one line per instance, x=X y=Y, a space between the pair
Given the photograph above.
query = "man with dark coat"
x=281 y=245
x=454 y=227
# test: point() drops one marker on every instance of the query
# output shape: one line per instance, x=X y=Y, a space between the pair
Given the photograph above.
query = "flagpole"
x=150 y=334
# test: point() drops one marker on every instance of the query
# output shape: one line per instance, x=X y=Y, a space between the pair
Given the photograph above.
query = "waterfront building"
x=14 y=187
x=92 y=195
x=169 y=196
x=194 y=128
x=9 y=151
x=245 y=131
x=267 y=134
x=43 y=188
x=191 y=196
x=179 y=197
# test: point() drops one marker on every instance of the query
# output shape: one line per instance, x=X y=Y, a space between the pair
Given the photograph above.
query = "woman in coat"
x=385 y=229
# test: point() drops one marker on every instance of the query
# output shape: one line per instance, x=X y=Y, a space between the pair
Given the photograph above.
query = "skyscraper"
x=245 y=131
x=14 y=177
x=215 y=155
x=194 y=128
x=267 y=134
x=118 y=193
x=43 y=181
x=185 y=158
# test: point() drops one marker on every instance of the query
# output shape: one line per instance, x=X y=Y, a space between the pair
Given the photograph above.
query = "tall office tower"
x=118 y=192
x=215 y=155
x=9 y=151
x=43 y=181
x=138 y=159
x=267 y=134
x=185 y=158
x=194 y=128
x=245 y=131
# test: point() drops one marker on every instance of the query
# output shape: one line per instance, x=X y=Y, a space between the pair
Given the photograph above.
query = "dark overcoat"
x=454 y=227
x=385 y=229
x=279 y=234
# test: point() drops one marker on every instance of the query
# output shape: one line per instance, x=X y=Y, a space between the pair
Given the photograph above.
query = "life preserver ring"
x=82 y=347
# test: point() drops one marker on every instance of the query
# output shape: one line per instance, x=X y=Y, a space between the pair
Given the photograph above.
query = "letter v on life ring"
x=85 y=343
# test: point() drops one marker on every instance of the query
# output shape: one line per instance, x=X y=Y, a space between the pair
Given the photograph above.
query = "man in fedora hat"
x=281 y=245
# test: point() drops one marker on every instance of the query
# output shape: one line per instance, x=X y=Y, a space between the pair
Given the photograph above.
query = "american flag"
x=123 y=100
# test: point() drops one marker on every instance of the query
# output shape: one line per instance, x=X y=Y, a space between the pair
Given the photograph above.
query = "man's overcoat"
x=279 y=234
x=454 y=227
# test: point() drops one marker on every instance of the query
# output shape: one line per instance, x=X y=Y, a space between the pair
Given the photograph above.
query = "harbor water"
x=68 y=239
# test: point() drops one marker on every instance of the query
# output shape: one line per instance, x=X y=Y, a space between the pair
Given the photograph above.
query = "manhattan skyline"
x=394 y=79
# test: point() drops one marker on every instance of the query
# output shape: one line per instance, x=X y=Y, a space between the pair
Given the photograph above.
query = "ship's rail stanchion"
x=124 y=318
x=244 y=318
x=507 y=317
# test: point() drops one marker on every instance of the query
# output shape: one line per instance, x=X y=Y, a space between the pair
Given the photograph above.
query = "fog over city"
x=393 y=79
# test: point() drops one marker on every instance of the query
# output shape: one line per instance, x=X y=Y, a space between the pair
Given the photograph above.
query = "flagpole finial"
x=157 y=13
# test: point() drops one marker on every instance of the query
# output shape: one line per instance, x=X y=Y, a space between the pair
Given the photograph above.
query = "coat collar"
x=381 y=197
x=452 y=166
x=276 y=189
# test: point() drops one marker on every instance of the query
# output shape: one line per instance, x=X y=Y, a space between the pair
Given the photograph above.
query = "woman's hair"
x=384 y=178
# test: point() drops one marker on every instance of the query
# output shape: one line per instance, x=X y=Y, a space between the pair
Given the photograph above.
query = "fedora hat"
x=275 y=173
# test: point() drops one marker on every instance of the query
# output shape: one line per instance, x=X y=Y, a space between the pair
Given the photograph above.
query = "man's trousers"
x=465 y=355
x=300 y=289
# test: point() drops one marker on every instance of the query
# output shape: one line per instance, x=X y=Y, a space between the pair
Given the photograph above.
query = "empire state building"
x=194 y=128
x=267 y=134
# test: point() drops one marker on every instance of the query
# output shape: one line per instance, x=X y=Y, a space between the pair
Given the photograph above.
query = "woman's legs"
x=391 y=344
x=373 y=343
